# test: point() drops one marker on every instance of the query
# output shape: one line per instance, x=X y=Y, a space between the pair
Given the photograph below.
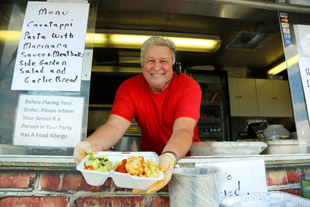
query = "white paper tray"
x=122 y=180
x=228 y=202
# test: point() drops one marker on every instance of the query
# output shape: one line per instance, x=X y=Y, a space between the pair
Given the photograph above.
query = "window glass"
x=24 y=112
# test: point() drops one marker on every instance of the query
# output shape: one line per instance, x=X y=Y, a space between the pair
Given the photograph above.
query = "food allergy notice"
x=48 y=121
x=51 y=47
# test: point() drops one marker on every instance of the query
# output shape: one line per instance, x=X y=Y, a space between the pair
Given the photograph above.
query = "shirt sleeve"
x=189 y=106
x=123 y=105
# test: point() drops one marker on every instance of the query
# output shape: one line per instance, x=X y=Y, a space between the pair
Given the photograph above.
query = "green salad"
x=100 y=163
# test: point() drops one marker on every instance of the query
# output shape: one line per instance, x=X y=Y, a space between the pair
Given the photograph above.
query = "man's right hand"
x=81 y=150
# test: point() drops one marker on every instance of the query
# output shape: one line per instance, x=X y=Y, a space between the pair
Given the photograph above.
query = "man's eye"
x=150 y=61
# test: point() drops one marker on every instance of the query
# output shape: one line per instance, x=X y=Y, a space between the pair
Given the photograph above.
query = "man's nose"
x=157 y=65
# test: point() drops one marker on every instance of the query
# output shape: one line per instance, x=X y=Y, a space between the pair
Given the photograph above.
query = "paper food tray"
x=122 y=180
x=234 y=201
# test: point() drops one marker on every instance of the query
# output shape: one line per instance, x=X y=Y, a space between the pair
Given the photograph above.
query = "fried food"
x=136 y=166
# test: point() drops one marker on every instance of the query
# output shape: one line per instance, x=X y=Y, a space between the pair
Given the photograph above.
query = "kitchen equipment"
x=129 y=143
x=214 y=123
x=276 y=131
x=256 y=130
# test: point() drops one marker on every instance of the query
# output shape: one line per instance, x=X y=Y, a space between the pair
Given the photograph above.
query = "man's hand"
x=81 y=150
x=167 y=162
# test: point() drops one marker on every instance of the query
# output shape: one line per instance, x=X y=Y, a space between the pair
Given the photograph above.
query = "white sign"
x=243 y=177
x=51 y=47
x=302 y=33
x=304 y=68
x=48 y=121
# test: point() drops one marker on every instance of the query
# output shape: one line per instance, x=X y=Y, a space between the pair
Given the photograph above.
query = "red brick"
x=26 y=201
x=53 y=202
x=34 y=202
x=6 y=201
x=276 y=177
x=50 y=181
x=134 y=201
x=293 y=175
x=105 y=187
x=72 y=181
x=16 y=180
x=165 y=189
x=121 y=189
x=292 y=191
x=76 y=182
x=160 y=201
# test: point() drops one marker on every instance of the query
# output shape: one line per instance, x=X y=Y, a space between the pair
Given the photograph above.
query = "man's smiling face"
x=157 y=67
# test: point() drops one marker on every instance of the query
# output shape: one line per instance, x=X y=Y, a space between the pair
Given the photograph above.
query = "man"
x=165 y=104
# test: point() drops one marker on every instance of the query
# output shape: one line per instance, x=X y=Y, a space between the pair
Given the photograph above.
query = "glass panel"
x=11 y=19
x=287 y=22
x=214 y=122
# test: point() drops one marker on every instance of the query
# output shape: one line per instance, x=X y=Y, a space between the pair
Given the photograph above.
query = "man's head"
x=158 y=41
x=157 y=59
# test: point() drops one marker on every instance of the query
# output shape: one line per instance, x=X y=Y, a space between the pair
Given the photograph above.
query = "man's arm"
x=107 y=135
x=182 y=136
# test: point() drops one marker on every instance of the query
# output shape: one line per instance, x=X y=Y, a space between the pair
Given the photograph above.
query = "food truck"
x=62 y=62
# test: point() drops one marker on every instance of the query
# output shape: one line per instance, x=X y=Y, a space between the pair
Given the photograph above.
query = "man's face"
x=157 y=67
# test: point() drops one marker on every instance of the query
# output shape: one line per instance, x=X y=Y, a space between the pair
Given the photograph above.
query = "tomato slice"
x=121 y=168
x=89 y=167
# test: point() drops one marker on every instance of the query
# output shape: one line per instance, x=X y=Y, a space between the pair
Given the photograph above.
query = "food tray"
x=234 y=201
x=227 y=148
x=122 y=180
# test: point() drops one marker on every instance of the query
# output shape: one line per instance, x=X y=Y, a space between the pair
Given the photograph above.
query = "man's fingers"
x=156 y=186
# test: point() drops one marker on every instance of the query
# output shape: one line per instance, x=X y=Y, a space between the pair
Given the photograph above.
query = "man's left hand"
x=167 y=162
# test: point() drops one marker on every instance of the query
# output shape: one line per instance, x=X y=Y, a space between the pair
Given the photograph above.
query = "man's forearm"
x=180 y=142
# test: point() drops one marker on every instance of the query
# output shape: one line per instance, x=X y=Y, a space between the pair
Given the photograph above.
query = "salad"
x=100 y=163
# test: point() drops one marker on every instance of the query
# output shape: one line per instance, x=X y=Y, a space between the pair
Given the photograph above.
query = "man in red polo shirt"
x=165 y=104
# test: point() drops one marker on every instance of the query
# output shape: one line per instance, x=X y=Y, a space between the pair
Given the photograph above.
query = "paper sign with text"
x=51 y=121
x=304 y=68
x=243 y=177
x=302 y=33
x=51 y=47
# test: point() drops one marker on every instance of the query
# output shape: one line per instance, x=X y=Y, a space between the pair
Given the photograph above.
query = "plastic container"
x=276 y=131
x=289 y=200
x=227 y=148
x=196 y=187
x=122 y=180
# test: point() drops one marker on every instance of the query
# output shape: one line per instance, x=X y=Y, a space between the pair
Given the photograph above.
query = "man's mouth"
x=157 y=75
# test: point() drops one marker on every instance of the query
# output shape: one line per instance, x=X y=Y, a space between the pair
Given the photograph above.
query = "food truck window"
x=45 y=66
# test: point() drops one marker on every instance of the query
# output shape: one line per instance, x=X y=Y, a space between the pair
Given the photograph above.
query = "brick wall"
x=285 y=179
x=64 y=189
x=46 y=188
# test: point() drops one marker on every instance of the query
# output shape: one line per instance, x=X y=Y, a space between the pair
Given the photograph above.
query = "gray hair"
x=158 y=41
